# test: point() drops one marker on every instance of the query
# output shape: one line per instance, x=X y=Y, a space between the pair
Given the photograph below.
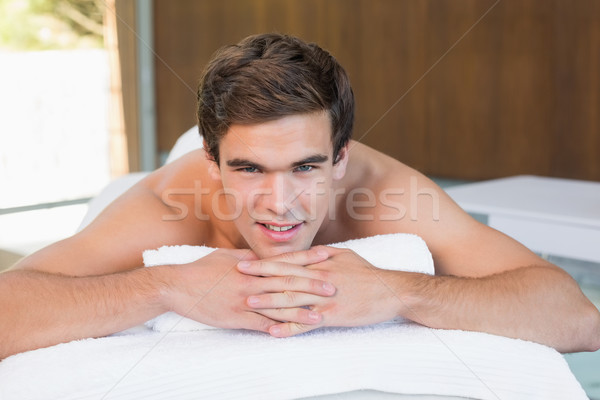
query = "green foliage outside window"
x=51 y=24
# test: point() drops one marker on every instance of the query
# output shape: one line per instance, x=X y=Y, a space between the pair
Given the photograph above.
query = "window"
x=54 y=141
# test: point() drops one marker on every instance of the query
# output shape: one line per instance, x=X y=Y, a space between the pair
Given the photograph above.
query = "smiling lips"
x=279 y=228
x=280 y=233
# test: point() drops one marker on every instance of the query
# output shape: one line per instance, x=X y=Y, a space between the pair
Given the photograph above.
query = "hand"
x=212 y=291
x=363 y=292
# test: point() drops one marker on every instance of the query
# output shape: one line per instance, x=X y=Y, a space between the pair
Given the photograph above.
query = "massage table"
x=171 y=357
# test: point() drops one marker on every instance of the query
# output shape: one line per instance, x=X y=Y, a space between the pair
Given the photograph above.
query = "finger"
x=288 y=329
x=298 y=315
x=272 y=268
x=303 y=257
x=286 y=299
x=258 y=322
x=292 y=283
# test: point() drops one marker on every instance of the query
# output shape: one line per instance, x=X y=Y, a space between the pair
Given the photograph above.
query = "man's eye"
x=248 y=169
x=304 y=168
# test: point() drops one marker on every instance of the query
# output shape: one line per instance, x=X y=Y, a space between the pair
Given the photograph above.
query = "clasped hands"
x=344 y=290
x=283 y=295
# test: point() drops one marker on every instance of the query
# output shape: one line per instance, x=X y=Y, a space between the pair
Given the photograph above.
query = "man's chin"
x=272 y=251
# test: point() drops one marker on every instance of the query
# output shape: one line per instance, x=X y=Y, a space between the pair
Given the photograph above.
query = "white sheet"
x=227 y=364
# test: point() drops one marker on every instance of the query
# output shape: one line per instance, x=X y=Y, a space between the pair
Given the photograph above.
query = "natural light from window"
x=54 y=141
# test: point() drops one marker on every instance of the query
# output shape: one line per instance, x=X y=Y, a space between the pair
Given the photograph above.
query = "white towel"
x=401 y=358
x=399 y=252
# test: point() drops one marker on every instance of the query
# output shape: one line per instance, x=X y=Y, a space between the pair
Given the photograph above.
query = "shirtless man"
x=278 y=181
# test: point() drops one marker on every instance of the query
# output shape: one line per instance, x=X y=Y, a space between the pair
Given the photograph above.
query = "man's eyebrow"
x=313 y=159
x=240 y=162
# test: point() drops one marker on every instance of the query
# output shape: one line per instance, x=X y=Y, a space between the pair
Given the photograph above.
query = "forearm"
x=541 y=304
x=40 y=309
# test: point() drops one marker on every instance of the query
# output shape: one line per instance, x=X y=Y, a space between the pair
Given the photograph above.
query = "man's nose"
x=280 y=194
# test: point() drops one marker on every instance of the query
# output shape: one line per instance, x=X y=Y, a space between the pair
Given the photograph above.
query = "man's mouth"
x=279 y=228
x=280 y=233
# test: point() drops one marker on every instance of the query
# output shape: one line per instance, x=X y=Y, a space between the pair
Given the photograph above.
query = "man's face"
x=277 y=178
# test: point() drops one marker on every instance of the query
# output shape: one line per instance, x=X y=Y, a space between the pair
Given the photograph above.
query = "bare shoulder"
x=405 y=200
x=139 y=219
x=379 y=194
x=376 y=169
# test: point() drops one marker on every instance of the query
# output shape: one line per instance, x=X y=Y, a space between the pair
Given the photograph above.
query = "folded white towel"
x=399 y=252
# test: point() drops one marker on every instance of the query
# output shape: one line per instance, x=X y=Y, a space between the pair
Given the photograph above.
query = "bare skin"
x=282 y=173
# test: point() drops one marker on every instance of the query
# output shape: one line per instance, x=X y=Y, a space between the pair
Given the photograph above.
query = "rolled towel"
x=398 y=252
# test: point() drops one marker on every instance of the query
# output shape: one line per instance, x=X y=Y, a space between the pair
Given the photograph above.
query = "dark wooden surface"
x=437 y=86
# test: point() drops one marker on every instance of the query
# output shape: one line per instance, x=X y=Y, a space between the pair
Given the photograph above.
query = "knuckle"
x=290 y=296
x=264 y=324
x=298 y=327
x=288 y=257
x=289 y=281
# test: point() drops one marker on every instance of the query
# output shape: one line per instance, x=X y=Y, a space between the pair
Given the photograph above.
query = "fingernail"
x=313 y=315
x=244 y=264
x=328 y=287
x=253 y=300
x=275 y=330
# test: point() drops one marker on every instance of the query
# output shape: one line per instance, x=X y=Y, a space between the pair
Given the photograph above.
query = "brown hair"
x=270 y=76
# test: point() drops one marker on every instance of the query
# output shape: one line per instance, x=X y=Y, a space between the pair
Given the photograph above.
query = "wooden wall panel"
x=491 y=96
x=437 y=86
x=577 y=83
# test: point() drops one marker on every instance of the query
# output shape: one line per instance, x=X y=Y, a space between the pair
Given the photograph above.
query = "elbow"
x=595 y=342
x=582 y=324
x=590 y=330
x=5 y=350
x=8 y=345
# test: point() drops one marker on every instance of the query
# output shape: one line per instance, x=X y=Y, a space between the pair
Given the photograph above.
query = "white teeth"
x=279 y=228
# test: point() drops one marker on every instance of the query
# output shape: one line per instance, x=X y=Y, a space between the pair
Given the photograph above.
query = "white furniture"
x=549 y=215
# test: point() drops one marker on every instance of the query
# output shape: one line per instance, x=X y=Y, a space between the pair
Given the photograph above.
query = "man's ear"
x=339 y=168
x=213 y=168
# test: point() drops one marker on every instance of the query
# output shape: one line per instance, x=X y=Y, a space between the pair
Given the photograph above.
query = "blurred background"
x=463 y=90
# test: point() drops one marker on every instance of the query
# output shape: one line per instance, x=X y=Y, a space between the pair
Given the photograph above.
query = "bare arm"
x=486 y=281
x=88 y=285
x=537 y=303
x=42 y=309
